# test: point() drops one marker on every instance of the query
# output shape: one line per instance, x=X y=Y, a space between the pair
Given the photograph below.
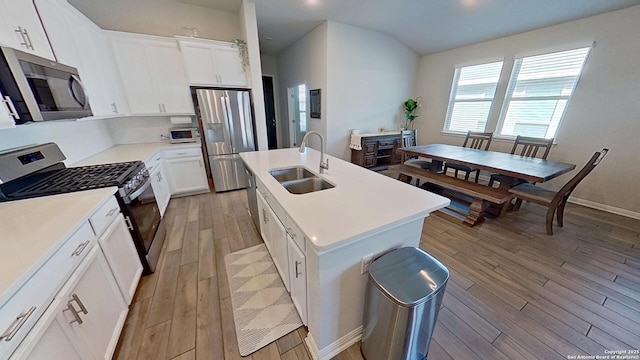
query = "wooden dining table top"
x=516 y=166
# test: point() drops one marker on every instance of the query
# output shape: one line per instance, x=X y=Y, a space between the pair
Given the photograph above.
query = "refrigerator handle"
x=229 y=122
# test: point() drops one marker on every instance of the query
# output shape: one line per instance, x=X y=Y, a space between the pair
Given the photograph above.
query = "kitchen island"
x=340 y=230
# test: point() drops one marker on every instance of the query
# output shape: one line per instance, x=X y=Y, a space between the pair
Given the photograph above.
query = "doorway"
x=297 y=106
x=270 y=110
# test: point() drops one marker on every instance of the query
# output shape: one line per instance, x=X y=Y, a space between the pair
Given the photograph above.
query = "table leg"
x=476 y=210
x=436 y=165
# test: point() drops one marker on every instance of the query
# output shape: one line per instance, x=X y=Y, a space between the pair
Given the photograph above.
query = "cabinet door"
x=49 y=340
x=264 y=220
x=278 y=238
x=6 y=110
x=170 y=78
x=136 y=75
x=93 y=295
x=60 y=34
x=22 y=28
x=200 y=63
x=186 y=175
x=230 y=66
x=298 y=275
x=160 y=188
x=121 y=254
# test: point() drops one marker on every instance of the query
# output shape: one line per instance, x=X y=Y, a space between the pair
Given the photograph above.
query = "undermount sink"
x=293 y=173
x=299 y=180
x=304 y=186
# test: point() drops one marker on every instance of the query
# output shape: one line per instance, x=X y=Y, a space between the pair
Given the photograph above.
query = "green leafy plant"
x=410 y=107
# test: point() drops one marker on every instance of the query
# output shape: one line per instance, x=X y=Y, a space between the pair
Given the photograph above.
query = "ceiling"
x=425 y=26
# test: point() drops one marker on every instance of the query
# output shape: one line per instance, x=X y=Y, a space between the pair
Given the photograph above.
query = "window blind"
x=472 y=93
x=539 y=91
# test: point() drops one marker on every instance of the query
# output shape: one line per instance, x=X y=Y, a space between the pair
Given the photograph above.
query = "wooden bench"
x=482 y=195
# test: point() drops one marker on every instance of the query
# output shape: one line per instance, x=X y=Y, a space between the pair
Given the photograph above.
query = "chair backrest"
x=571 y=184
x=531 y=146
x=477 y=140
x=409 y=138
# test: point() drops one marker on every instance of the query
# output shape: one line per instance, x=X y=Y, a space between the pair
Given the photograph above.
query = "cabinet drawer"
x=296 y=234
x=386 y=144
x=22 y=310
x=152 y=163
x=369 y=147
x=369 y=160
x=180 y=153
x=104 y=216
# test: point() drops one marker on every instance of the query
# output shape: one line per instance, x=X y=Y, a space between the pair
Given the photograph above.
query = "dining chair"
x=530 y=146
x=474 y=140
x=410 y=138
x=554 y=200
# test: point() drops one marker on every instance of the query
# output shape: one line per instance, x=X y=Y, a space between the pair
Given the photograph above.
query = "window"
x=302 y=106
x=539 y=91
x=472 y=93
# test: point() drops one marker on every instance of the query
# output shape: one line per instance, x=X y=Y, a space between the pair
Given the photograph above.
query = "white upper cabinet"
x=78 y=42
x=20 y=28
x=211 y=62
x=152 y=73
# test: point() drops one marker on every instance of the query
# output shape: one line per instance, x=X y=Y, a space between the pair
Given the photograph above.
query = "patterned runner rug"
x=262 y=309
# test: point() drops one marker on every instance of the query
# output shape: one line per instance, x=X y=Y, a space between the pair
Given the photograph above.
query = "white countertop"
x=33 y=228
x=132 y=152
x=362 y=201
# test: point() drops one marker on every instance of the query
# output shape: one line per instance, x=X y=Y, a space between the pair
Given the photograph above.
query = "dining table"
x=511 y=167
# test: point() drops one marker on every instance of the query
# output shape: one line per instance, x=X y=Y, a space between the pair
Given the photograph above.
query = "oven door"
x=144 y=217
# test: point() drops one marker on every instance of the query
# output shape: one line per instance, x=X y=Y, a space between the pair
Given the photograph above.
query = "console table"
x=376 y=150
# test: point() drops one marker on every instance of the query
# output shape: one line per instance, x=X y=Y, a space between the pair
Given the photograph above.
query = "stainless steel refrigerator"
x=227 y=124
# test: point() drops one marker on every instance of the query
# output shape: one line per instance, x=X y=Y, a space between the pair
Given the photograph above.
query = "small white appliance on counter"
x=184 y=135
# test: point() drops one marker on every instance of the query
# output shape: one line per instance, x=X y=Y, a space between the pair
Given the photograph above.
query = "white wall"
x=249 y=31
x=76 y=139
x=603 y=111
x=163 y=18
x=269 y=64
x=369 y=76
x=304 y=62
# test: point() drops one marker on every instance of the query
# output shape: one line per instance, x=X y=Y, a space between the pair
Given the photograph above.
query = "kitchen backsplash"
x=139 y=129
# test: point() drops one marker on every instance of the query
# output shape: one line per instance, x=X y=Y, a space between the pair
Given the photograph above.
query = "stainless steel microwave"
x=37 y=89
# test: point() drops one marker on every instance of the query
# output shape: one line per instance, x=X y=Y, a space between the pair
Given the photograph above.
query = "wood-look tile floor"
x=514 y=292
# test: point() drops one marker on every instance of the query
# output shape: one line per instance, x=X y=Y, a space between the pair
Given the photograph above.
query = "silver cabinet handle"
x=17 y=324
x=114 y=107
x=74 y=313
x=80 y=249
x=111 y=212
x=75 y=298
x=297 y=272
x=264 y=216
x=12 y=109
x=26 y=41
x=181 y=153
x=160 y=107
x=291 y=233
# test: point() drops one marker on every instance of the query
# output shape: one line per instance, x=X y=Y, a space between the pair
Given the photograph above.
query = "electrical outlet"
x=366 y=262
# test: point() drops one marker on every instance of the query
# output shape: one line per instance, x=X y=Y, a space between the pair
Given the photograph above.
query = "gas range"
x=39 y=170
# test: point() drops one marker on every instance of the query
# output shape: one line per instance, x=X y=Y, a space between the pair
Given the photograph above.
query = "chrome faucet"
x=324 y=165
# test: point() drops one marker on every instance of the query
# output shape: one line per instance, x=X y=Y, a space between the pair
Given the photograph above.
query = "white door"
x=200 y=63
x=160 y=188
x=136 y=75
x=53 y=14
x=49 y=340
x=278 y=238
x=298 y=275
x=230 y=66
x=98 y=309
x=186 y=175
x=170 y=78
x=122 y=256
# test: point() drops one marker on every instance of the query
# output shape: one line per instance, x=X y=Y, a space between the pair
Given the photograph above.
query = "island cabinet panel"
x=298 y=278
x=378 y=150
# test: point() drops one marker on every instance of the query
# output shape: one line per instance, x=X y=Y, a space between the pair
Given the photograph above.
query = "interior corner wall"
x=304 y=62
x=249 y=31
x=603 y=111
x=369 y=76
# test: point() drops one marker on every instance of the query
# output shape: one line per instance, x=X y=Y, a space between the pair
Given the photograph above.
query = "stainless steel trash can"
x=402 y=301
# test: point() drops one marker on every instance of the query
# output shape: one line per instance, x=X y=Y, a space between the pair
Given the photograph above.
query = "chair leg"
x=466 y=176
x=477 y=175
x=560 y=214
x=491 y=181
x=417 y=182
x=455 y=173
x=550 y=214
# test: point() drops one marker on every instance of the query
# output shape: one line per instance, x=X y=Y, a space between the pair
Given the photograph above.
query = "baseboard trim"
x=335 y=347
x=606 y=208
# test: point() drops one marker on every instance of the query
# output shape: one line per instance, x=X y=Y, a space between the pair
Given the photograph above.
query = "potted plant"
x=410 y=107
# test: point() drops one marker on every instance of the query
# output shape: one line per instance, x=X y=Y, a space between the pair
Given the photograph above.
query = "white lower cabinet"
x=278 y=239
x=185 y=171
x=298 y=278
x=84 y=321
x=264 y=220
x=122 y=256
x=160 y=187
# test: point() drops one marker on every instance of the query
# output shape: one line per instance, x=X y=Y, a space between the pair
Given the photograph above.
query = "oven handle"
x=138 y=192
